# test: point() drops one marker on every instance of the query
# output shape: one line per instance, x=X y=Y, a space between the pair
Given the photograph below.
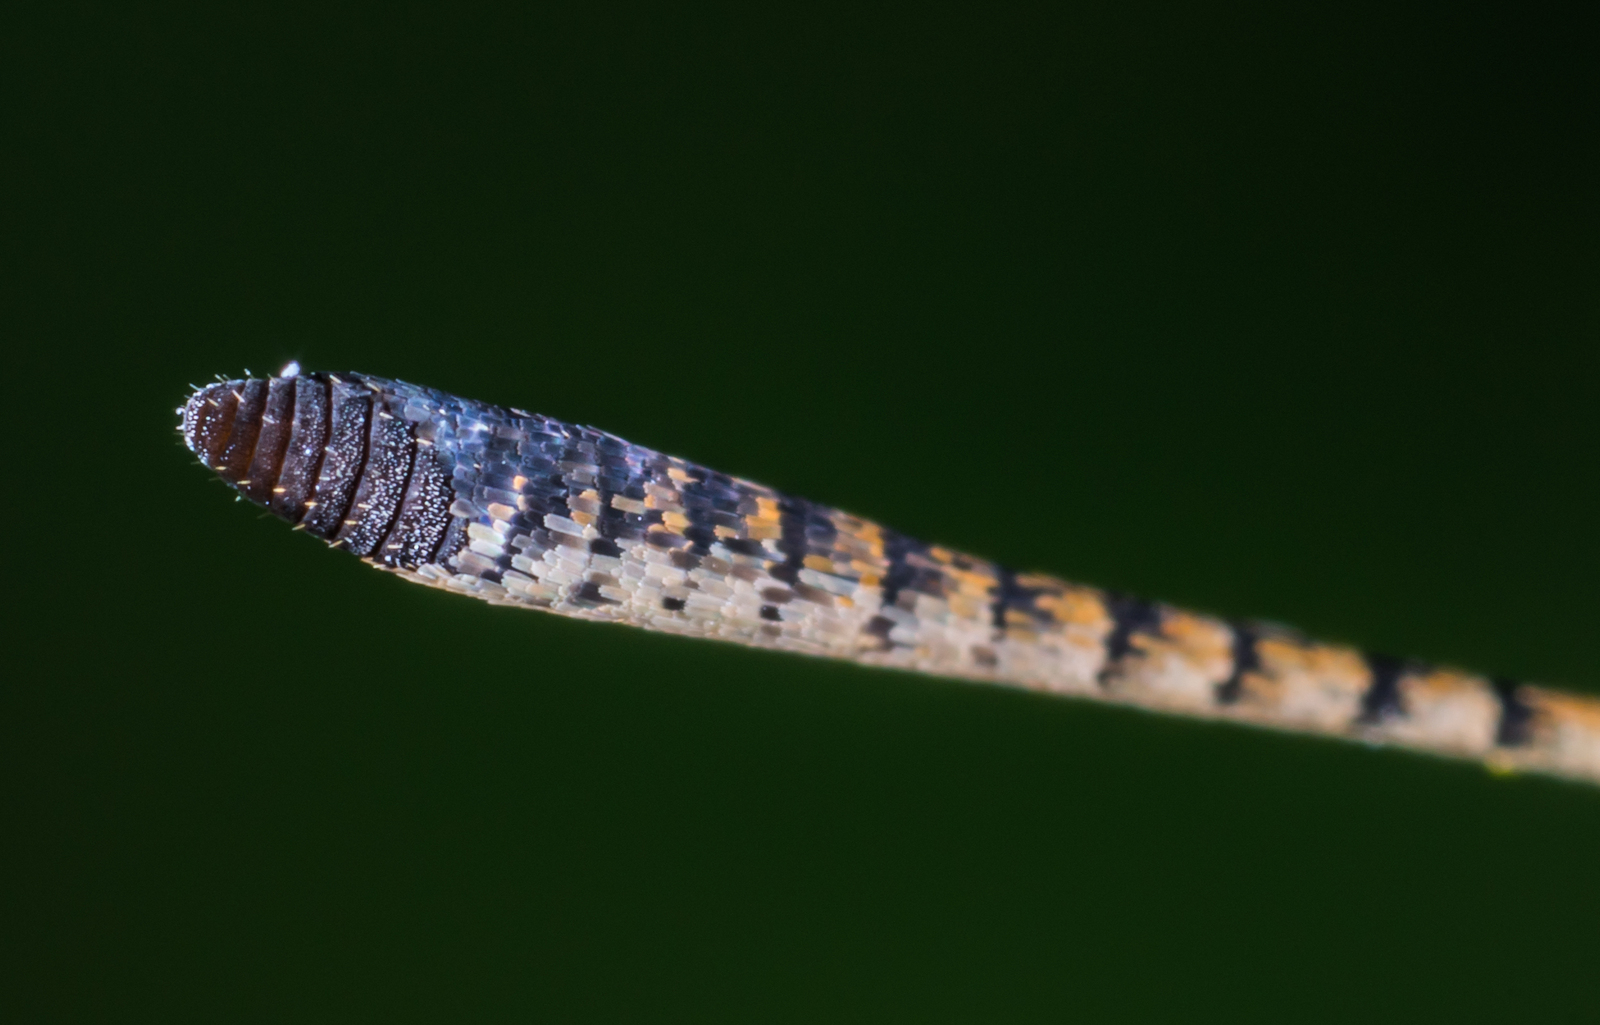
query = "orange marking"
x=1553 y=706
x=1076 y=605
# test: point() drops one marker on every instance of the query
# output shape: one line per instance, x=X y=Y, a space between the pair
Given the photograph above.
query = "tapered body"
x=520 y=509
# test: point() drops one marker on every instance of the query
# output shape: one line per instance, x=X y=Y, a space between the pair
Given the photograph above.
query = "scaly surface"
x=519 y=509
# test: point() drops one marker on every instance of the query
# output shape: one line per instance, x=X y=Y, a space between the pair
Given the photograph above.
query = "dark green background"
x=1284 y=314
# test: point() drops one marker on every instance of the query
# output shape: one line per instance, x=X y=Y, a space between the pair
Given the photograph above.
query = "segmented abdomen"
x=520 y=509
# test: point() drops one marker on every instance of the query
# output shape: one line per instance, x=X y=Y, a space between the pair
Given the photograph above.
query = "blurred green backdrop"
x=1270 y=312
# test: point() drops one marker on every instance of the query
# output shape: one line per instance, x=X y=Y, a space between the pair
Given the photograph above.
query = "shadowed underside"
x=520 y=509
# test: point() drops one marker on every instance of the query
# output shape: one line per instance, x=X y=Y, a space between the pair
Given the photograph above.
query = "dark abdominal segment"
x=330 y=455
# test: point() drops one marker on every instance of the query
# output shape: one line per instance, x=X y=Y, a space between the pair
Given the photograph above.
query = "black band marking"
x=1516 y=717
x=1246 y=659
x=879 y=627
x=711 y=500
x=611 y=478
x=801 y=525
x=1382 y=698
x=902 y=575
x=1009 y=595
x=588 y=592
x=1129 y=615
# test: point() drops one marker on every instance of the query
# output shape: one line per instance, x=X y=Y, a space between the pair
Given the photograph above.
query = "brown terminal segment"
x=208 y=421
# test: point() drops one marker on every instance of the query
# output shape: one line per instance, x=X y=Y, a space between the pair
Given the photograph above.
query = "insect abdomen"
x=524 y=510
x=327 y=455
